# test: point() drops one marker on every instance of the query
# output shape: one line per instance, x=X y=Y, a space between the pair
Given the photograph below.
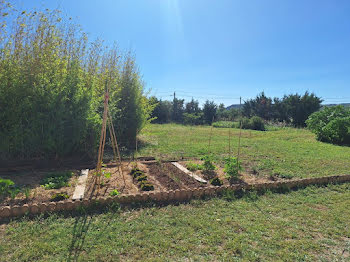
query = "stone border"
x=178 y=195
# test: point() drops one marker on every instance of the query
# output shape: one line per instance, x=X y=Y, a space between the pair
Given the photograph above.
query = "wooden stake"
x=211 y=132
x=240 y=131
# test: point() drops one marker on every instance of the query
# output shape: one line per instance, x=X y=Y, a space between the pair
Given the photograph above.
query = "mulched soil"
x=247 y=176
x=120 y=180
x=38 y=194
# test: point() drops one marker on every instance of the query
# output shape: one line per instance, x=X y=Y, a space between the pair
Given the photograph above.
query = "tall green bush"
x=331 y=124
x=52 y=83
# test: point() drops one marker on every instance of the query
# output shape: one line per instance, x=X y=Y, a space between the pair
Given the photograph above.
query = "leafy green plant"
x=135 y=172
x=115 y=192
x=5 y=187
x=232 y=167
x=26 y=191
x=141 y=178
x=193 y=166
x=56 y=180
x=106 y=174
x=14 y=191
x=146 y=186
x=208 y=165
x=59 y=196
x=216 y=181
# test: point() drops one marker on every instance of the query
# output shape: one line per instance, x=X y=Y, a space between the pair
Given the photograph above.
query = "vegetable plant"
x=115 y=192
x=232 y=167
x=59 y=196
x=5 y=187
x=193 y=166
x=56 y=180
x=208 y=164
x=216 y=181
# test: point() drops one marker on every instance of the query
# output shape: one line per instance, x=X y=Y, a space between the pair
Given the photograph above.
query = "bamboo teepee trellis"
x=107 y=120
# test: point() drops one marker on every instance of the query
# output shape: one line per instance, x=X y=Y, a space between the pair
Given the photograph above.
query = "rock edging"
x=178 y=195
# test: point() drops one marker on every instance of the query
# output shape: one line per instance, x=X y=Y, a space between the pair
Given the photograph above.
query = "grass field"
x=286 y=152
x=306 y=225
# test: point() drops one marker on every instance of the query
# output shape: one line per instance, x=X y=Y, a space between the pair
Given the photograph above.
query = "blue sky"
x=223 y=49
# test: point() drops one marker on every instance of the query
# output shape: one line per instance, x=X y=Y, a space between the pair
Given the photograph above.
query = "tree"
x=299 y=108
x=162 y=111
x=209 y=111
x=177 y=110
x=222 y=112
x=260 y=106
x=192 y=107
x=132 y=115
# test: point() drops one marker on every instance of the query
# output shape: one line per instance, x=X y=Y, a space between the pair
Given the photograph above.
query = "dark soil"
x=185 y=179
x=171 y=178
x=161 y=175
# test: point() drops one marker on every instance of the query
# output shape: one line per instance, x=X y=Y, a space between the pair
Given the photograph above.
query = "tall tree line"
x=52 y=85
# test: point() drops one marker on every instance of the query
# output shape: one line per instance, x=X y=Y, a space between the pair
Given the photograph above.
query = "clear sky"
x=223 y=49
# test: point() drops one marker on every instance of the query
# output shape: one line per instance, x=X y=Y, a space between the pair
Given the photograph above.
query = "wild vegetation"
x=52 y=85
x=332 y=124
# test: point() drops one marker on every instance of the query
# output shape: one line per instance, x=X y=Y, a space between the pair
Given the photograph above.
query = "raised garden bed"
x=38 y=187
x=129 y=178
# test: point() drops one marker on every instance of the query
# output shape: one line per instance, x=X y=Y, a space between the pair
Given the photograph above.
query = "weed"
x=115 y=192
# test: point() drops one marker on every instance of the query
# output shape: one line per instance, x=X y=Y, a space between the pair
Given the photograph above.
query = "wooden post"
x=240 y=131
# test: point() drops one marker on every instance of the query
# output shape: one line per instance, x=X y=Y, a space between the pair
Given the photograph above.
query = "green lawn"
x=306 y=225
x=285 y=152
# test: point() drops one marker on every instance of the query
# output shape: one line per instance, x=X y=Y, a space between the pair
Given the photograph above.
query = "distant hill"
x=237 y=106
x=342 y=104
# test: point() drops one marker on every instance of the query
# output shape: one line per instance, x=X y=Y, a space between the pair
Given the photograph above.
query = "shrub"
x=216 y=181
x=254 y=123
x=56 y=180
x=232 y=167
x=332 y=124
x=257 y=123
